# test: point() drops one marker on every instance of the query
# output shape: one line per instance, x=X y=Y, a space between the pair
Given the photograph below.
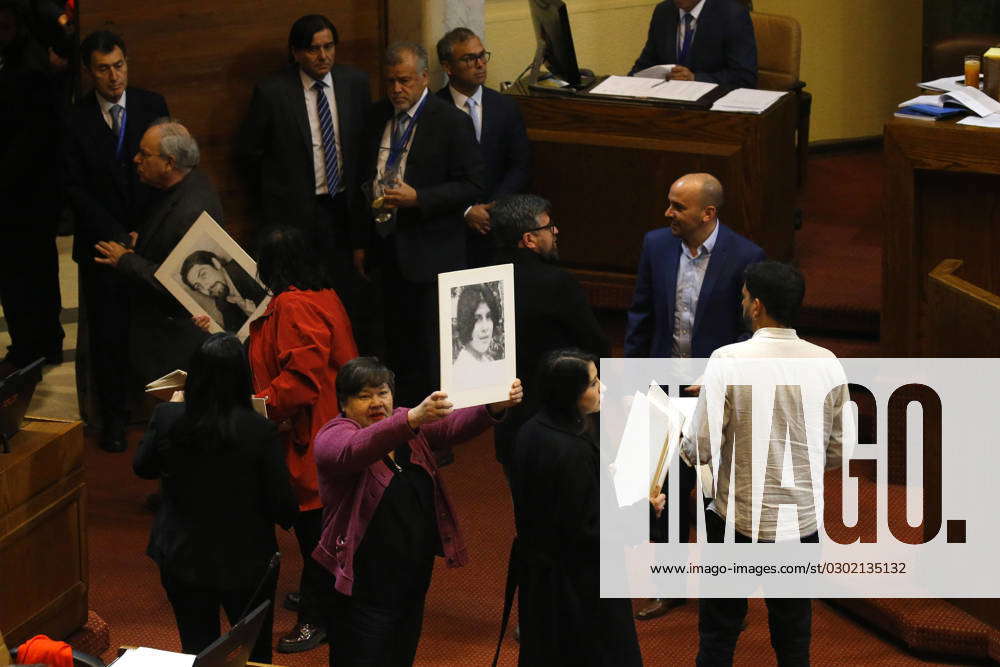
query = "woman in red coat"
x=296 y=348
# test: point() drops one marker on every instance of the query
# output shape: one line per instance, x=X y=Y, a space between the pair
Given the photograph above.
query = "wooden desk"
x=941 y=201
x=606 y=166
x=43 y=536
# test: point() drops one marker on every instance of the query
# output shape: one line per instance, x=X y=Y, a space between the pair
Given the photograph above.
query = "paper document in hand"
x=747 y=100
x=163 y=388
x=259 y=405
x=655 y=72
x=631 y=477
x=666 y=424
x=993 y=120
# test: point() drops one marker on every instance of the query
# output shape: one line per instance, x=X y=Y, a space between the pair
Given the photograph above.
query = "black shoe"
x=113 y=442
x=303 y=637
x=658 y=607
x=293 y=600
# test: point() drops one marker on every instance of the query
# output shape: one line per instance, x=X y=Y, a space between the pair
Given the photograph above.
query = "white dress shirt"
x=770 y=416
x=384 y=147
x=105 y=107
x=460 y=99
x=695 y=12
x=319 y=163
x=691 y=271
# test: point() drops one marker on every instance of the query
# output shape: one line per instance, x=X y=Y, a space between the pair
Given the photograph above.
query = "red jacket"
x=353 y=478
x=296 y=348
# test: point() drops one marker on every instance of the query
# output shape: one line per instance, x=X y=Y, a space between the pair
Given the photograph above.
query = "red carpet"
x=463 y=609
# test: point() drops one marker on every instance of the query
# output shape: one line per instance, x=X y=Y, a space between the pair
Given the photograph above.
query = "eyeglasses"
x=471 y=58
x=551 y=225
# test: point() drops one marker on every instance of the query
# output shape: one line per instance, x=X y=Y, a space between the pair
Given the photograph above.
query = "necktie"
x=686 y=44
x=329 y=145
x=116 y=127
x=402 y=121
x=477 y=122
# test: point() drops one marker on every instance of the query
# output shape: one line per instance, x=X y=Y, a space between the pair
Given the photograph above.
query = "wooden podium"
x=606 y=165
x=941 y=202
x=43 y=537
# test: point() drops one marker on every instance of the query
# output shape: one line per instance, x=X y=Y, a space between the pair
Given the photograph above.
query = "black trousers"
x=316 y=582
x=29 y=292
x=367 y=634
x=411 y=331
x=106 y=297
x=197 y=612
x=687 y=478
x=720 y=620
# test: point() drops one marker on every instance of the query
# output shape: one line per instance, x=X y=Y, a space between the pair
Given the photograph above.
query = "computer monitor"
x=16 y=391
x=233 y=648
x=554 y=41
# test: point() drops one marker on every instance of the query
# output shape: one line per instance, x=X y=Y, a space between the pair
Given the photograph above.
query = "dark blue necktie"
x=686 y=44
x=329 y=145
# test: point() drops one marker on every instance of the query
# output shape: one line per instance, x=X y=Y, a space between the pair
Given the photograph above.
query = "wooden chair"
x=779 y=52
x=945 y=56
x=962 y=317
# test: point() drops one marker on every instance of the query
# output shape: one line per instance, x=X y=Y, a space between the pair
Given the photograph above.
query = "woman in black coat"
x=555 y=473
x=225 y=485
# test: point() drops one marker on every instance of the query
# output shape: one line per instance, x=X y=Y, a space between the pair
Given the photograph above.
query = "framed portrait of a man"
x=210 y=274
x=476 y=316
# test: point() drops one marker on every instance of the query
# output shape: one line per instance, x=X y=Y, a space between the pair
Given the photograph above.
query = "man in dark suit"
x=499 y=131
x=108 y=199
x=301 y=142
x=551 y=308
x=234 y=291
x=705 y=40
x=162 y=336
x=688 y=292
x=426 y=150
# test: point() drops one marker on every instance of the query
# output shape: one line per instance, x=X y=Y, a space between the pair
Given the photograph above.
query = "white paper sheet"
x=992 y=120
x=747 y=100
x=944 y=84
x=151 y=657
x=655 y=72
x=632 y=461
x=631 y=86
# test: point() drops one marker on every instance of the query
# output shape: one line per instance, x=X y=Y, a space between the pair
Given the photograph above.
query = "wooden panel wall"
x=204 y=56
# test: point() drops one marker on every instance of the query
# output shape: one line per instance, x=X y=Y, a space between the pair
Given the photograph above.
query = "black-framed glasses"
x=471 y=58
x=543 y=227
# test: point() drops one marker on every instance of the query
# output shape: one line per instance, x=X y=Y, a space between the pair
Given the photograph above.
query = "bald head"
x=693 y=207
x=706 y=187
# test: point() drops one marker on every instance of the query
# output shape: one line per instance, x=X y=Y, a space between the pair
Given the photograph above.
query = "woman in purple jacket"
x=386 y=511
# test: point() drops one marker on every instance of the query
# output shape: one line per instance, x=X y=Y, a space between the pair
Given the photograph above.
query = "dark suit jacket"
x=276 y=147
x=552 y=313
x=106 y=194
x=446 y=169
x=162 y=336
x=717 y=320
x=723 y=51
x=221 y=501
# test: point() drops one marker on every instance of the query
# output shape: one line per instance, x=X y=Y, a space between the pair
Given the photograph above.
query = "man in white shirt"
x=770 y=488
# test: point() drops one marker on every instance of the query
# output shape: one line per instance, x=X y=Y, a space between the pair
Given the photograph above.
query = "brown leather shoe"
x=303 y=637
x=658 y=607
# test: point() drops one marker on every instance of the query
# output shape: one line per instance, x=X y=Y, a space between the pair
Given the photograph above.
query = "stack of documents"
x=993 y=120
x=747 y=100
x=659 y=89
x=944 y=84
x=933 y=107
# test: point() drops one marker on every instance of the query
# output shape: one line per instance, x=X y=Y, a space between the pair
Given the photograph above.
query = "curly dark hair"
x=468 y=301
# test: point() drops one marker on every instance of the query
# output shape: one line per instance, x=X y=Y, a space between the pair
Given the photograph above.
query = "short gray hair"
x=394 y=54
x=176 y=142
x=514 y=215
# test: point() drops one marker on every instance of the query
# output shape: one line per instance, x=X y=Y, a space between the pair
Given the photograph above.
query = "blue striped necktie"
x=686 y=44
x=329 y=145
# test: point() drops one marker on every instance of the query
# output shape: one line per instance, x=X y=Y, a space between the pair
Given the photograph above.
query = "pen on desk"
x=659 y=83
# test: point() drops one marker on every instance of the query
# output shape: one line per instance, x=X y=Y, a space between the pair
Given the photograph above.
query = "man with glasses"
x=551 y=309
x=108 y=198
x=300 y=145
x=500 y=133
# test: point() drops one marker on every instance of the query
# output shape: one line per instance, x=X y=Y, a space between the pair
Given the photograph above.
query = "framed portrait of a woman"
x=476 y=311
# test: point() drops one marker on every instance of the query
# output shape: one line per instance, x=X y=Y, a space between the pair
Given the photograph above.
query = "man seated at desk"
x=705 y=40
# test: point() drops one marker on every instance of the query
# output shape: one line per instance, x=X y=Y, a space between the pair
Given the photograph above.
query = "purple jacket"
x=353 y=478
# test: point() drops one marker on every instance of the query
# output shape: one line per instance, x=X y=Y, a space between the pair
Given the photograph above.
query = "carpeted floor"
x=463 y=608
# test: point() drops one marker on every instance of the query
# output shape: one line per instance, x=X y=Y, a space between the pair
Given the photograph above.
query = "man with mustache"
x=235 y=293
x=687 y=299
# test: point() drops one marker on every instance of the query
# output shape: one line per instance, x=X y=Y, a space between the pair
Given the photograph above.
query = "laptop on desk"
x=233 y=648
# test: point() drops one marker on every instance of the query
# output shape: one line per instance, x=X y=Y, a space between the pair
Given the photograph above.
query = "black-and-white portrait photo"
x=209 y=274
x=477 y=333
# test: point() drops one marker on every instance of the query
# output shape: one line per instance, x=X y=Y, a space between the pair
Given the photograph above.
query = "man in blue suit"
x=500 y=134
x=687 y=299
x=705 y=40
